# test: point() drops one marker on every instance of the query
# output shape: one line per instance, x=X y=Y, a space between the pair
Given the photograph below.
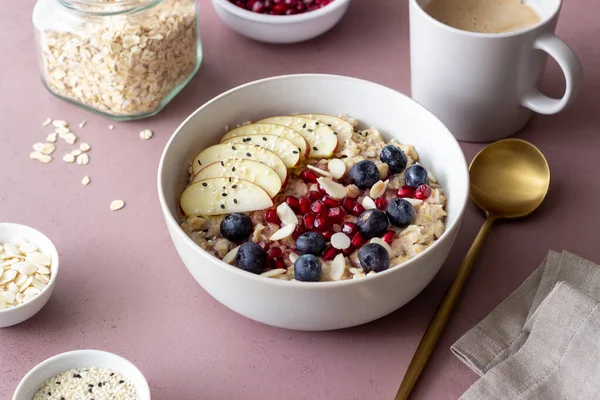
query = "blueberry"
x=364 y=174
x=400 y=212
x=373 y=257
x=251 y=257
x=372 y=223
x=307 y=268
x=236 y=227
x=416 y=176
x=394 y=157
x=310 y=243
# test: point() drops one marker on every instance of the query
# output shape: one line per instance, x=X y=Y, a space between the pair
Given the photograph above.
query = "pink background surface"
x=122 y=288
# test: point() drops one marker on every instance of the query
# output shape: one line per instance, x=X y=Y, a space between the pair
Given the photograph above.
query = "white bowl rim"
x=35 y=370
x=325 y=284
x=281 y=19
x=54 y=263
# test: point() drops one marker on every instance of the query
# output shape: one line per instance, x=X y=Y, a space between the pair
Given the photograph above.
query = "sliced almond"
x=333 y=189
x=47 y=122
x=293 y=257
x=337 y=168
x=319 y=171
x=340 y=241
x=286 y=214
x=368 y=203
x=283 y=232
x=230 y=256
x=384 y=244
x=8 y=276
x=431 y=177
x=384 y=170
x=82 y=123
x=27 y=248
x=414 y=202
x=337 y=268
x=9 y=296
x=38 y=258
x=378 y=189
x=274 y=272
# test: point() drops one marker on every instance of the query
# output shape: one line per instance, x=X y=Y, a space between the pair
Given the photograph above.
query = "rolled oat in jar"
x=125 y=59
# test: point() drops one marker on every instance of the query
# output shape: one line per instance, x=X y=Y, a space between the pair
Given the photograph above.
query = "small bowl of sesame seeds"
x=28 y=270
x=84 y=375
x=281 y=21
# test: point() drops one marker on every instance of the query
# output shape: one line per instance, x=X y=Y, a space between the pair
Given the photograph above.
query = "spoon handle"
x=437 y=324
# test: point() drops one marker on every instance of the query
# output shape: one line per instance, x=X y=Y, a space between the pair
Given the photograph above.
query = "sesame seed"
x=199 y=163
x=310 y=130
x=316 y=123
x=249 y=155
x=335 y=133
x=329 y=125
x=224 y=194
x=204 y=184
x=295 y=151
x=222 y=164
x=304 y=126
x=233 y=148
x=234 y=186
x=315 y=148
x=264 y=138
x=223 y=206
x=232 y=170
x=235 y=201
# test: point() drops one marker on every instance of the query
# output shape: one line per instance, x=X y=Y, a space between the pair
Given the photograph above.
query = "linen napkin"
x=543 y=341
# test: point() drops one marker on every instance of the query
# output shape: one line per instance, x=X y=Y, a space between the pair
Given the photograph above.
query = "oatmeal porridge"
x=312 y=198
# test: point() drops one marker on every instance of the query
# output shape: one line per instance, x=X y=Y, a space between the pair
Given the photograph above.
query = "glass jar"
x=125 y=59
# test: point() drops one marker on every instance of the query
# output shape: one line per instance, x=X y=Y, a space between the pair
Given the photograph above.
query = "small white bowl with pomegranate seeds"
x=28 y=270
x=281 y=21
x=299 y=217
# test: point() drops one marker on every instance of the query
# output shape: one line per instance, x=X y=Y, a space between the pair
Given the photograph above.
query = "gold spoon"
x=509 y=179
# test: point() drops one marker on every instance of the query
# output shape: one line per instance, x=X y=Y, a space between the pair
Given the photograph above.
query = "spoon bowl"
x=509 y=178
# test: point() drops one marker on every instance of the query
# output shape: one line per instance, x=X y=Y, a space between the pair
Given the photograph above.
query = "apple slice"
x=321 y=138
x=286 y=150
x=343 y=128
x=224 y=151
x=217 y=196
x=271 y=129
x=252 y=171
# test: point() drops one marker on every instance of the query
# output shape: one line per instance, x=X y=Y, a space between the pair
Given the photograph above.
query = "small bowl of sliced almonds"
x=28 y=270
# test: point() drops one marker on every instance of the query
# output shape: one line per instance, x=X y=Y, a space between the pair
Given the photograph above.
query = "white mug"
x=484 y=86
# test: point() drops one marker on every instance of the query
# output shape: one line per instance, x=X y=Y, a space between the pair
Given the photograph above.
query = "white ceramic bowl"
x=18 y=314
x=319 y=305
x=281 y=28
x=33 y=381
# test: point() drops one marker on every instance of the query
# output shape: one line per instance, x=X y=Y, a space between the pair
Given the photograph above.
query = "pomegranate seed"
x=358 y=240
x=293 y=202
x=320 y=223
x=329 y=253
x=348 y=252
x=258 y=7
x=264 y=246
x=308 y=176
x=388 y=237
x=314 y=195
x=318 y=207
x=348 y=203
x=239 y=3
x=336 y=214
x=357 y=210
x=349 y=228
x=405 y=191
x=330 y=202
x=308 y=220
x=381 y=203
x=328 y=234
x=279 y=9
x=298 y=231
x=272 y=217
x=320 y=189
x=423 y=192
x=303 y=205
x=278 y=263
x=274 y=252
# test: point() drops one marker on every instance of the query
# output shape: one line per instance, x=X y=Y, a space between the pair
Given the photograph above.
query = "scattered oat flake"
x=117 y=205
x=47 y=122
x=76 y=152
x=38 y=147
x=69 y=158
x=84 y=147
x=62 y=130
x=51 y=138
x=40 y=157
x=59 y=123
x=111 y=127
x=70 y=138
x=83 y=159
x=85 y=181
x=146 y=134
x=48 y=148
x=82 y=123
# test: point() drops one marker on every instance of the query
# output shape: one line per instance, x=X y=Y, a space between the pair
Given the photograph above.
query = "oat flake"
x=117 y=205
x=146 y=134
x=83 y=159
x=47 y=122
x=85 y=181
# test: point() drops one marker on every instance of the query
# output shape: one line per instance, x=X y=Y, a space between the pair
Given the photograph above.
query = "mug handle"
x=571 y=67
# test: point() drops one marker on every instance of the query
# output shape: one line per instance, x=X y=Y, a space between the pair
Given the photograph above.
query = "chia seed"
x=80 y=384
